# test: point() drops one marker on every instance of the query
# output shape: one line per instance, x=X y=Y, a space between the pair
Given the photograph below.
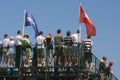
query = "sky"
x=64 y=14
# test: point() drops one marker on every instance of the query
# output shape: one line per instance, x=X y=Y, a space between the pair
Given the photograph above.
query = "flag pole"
x=80 y=28
x=78 y=40
x=22 y=35
x=24 y=22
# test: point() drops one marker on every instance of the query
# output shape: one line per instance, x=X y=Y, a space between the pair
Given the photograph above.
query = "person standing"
x=88 y=43
x=26 y=50
x=5 y=50
x=58 y=42
x=11 y=52
x=0 y=51
x=77 y=40
x=49 y=48
x=68 y=42
x=58 y=55
x=40 y=41
x=18 y=57
x=102 y=68
x=109 y=70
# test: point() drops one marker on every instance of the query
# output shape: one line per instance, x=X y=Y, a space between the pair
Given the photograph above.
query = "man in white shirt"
x=77 y=39
x=18 y=43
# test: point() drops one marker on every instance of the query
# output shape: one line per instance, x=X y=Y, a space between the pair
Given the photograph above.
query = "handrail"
x=81 y=70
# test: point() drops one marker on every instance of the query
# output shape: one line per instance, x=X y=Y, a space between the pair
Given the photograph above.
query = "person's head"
x=11 y=38
x=40 y=33
x=19 y=32
x=50 y=34
x=59 y=31
x=26 y=36
x=104 y=58
x=88 y=37
x=5 y=36
x=68 y=33
x=78 y=31
x=110 y=63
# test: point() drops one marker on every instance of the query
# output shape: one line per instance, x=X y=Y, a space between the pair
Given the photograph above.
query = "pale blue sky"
x=64 y=14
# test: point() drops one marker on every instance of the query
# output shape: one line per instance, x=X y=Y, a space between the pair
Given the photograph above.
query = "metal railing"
x=49 y=73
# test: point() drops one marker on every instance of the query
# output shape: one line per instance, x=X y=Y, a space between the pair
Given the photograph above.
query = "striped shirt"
x=88 y=44
x=68 y=41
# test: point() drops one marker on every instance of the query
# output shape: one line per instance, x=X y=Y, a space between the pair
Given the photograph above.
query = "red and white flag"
x=90 y=27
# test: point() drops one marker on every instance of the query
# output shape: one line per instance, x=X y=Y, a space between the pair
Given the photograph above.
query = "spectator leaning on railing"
x=109 y=71
x=102 y=68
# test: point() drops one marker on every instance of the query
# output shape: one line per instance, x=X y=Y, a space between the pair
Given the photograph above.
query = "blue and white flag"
x=30 y=21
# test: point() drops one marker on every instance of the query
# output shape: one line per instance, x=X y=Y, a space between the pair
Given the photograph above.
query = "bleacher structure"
x=53 y=73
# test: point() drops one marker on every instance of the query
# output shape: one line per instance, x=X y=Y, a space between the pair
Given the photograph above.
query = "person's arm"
x=111 y=71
